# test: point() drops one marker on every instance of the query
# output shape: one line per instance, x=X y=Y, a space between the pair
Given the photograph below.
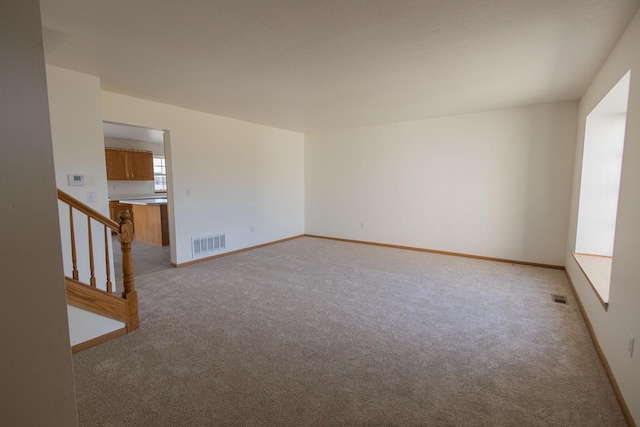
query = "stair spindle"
x=92 y=279
x=106 y=258
x=74 y=259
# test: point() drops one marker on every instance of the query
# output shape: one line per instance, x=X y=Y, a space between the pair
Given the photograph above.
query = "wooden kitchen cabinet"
x=142 y=165
x=116 y=165
x=116 y=207
x=129 y=165
x=153 y=224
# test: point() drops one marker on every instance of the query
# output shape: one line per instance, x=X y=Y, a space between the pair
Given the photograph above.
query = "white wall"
x=85 y=325
x=240 y=174
x=623 y=316
x=36 y=379
x=76 y=126
x=493 y=184
x=130 y=189
x=78 y=148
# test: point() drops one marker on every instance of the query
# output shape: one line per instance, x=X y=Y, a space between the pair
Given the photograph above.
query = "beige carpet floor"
x=147 y=258
x=324 y=333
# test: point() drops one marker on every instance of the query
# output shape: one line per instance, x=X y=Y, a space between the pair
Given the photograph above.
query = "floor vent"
x=205 y=245
x=559 y=299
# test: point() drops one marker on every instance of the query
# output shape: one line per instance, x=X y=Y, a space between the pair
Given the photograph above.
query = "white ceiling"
x=136 y=133
x=311 y=65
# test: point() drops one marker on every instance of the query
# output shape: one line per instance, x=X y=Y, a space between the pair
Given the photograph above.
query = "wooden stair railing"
x=89 y=296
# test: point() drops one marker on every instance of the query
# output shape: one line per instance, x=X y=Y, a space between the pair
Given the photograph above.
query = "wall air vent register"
x=205 y=245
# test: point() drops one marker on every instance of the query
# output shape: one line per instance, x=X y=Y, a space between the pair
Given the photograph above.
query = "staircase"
x=89 y=296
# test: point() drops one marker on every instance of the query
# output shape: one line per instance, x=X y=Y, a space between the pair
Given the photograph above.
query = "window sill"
x=597 y=270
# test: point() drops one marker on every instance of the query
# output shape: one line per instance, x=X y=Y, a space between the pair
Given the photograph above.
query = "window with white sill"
x=600 y=186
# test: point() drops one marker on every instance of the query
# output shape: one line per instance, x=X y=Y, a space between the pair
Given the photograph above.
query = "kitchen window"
x=159 y=174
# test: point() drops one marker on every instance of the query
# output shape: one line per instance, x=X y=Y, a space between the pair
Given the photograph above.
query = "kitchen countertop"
x=137 y=196
x=144 y=202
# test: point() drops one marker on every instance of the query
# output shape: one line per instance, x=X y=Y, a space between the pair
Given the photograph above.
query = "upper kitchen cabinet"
x=129 y=165
x=141 y=165
x=116 y=165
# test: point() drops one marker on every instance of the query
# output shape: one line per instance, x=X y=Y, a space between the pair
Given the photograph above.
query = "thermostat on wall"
x=75 y=180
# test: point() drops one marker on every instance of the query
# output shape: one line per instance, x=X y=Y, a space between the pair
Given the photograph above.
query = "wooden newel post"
x=129 y=292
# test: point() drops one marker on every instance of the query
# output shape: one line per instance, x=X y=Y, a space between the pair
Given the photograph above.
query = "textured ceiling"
x=310 y=65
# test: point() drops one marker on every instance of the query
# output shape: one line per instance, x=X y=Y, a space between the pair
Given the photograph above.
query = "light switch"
x=91 y=197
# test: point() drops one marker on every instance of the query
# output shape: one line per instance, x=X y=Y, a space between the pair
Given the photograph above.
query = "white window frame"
x=160 y=171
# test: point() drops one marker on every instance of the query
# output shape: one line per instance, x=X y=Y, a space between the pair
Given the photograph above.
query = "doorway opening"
x=138 y=181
